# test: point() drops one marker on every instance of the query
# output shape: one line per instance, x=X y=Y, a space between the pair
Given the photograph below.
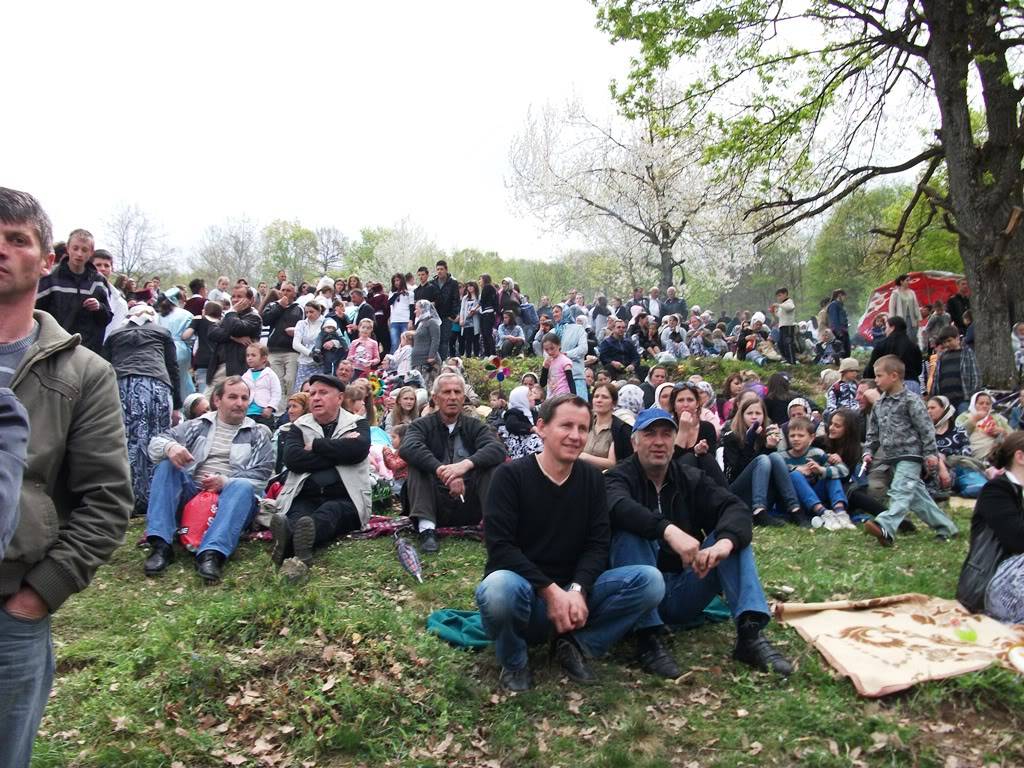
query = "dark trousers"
x=444 y=344
x=843 y=337
x=332 y=517
x=429 y=498
x=487 y=333
x=786 y=346
x=509 y=348
x=469 y=343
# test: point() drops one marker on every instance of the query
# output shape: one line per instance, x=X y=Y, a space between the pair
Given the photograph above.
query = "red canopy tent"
x=930 y=286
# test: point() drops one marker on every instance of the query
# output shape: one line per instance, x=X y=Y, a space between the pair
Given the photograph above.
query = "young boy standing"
x=901 y=434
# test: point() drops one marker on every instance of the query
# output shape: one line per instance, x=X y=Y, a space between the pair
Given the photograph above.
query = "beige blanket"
x=887 y=644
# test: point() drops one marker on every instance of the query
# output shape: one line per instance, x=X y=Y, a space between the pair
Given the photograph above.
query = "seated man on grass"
x=547 y=540
x=698 y=534
x=451 y=457
x=223 y=451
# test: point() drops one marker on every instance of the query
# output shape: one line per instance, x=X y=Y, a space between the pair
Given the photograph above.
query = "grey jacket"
x=13 y=449
x=425 y=341
x=252 y=455
x=144 y=350
x=899 y=429
x=76 y=496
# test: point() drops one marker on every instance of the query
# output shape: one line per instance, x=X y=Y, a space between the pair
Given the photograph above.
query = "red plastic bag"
x=195 y=519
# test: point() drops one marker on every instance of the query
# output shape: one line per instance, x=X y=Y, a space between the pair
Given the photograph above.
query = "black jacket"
x=622 y=435
x=280 y=318
x=689 y=500
x=899 y=344
x=1000 y=508
x=426 y=291
x=144 y=350
x=448 y=301
x=61 y=294
x=228 y=352
x=427 y=444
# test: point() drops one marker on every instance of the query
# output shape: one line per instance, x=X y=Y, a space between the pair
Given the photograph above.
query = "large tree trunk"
x=667 y=266
x=996 y=294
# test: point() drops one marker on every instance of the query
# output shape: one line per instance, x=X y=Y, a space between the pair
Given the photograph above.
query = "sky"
x=332 y=113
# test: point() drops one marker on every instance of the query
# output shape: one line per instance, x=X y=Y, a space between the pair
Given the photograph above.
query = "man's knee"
x=501 y=592
x=649 y=583
x=629 y=549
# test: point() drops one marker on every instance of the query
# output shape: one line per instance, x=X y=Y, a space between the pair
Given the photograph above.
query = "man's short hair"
x=891 y=364
x=947 y=333
x=196 y=285
x=445 y=376
x=83 y=233
x=423 y=269
x=441 y=263
x=230 y=381
x=552 y=404
x=837 y=293
x=102 y=253
x=781 y=290
x=21 y=208
x=897 y=323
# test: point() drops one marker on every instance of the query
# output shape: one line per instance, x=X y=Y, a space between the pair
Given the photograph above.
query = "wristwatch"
x=574 y=587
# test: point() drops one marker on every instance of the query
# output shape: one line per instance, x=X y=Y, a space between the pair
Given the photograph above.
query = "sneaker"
x=818 y=521
x=571 y=658
x=303 y=539
x=844 y=520
x=873 y=528
x=655 y=658
x=429 y=544
x=761 y=654
x=515 y=680
x=282 y=534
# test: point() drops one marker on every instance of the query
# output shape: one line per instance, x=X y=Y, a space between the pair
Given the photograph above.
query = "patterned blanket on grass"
x=888 y=644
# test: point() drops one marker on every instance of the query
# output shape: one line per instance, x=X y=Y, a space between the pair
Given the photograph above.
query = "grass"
x=341 y=672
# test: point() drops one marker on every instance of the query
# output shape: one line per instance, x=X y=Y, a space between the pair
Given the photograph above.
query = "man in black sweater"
x=697 y=534
x=240 y=327
x=547 y=540
x=448 y=304
x=281 y=316
x=898 y=342
x=451 y=458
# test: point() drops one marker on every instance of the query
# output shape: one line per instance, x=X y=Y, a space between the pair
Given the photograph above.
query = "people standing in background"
x=838 y=322
x=281 y=317
x=784 y=309
x=469 y=320
x=104 y=264
x=959 y=303
x=400 y=300
x=903 y=303
x=488 y=314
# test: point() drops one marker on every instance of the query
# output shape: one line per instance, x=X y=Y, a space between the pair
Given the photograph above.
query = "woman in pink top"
x=364 y=352
x=557 y=370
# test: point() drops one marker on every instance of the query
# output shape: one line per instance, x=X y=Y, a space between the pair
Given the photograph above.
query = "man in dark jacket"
x=281 y=316
x=240 y=327
x=897 y=342
x=838 y=322
x=76 y=294
x=451 y=457
x=618 y=354
x=76 y=496
x=448 y=304
x=959 y=303
x=673 y=305
x=698 y=534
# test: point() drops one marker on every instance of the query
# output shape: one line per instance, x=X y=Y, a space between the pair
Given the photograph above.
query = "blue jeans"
x=828 y=492
x=26 y=674
x=764 y=480
x=687 y=595
x=581 y=387
x=172 y=488
x=907 y=492
x=396 y=335
x=515 y=616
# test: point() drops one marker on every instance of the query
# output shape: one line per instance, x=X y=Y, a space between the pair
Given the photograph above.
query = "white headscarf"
x=141 y=314
x=425 y=311
x=519 y=400
x=631 y=397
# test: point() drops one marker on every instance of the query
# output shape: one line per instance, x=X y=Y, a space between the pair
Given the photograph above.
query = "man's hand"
x=179 y=455
x=457 y=487
x=289 y=331
x=91 y=304
x=682 y=543
x=566 y=610
x=932 y=461
x=241 y=306
x=268 y=412
x=245 y=341
x=448 y=472
x=26 y=604
x=707 y=559
x=213 y=483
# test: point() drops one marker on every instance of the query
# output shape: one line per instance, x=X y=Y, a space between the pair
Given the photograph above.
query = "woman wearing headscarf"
x=984 y=427
x=307 y=331
x=631 y=402
x=517 y=429
x=958 y=470
x=425 y=341
x=143 y=355
x=178 y=322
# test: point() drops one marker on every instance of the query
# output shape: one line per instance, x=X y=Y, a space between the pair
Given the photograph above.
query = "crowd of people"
x=616 y=497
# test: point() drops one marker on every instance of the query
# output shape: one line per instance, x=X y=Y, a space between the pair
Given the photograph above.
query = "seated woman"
x=992 y=579
x=404 y=410
x=958 y=470
x=984 y=427
x=708 y=412
x=630 y=403
x=696 y=440
x=609 y=440
x=662 y=395
x=756 y=471
x=732 y=388
x=516 y=431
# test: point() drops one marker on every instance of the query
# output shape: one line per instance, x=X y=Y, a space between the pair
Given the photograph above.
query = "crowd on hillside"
x=296 y=408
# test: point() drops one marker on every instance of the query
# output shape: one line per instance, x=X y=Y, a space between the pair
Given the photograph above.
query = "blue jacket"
x=837 y=319
x=616 y=350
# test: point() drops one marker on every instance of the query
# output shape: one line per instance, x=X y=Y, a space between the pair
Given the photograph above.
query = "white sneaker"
x=831 y=521
x=844 y=520
x=817 y=521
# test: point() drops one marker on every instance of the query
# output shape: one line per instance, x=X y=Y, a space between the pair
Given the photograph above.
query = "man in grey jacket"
x=13 y=448
x=223 y=451
x=76 y=496
x=451 y=457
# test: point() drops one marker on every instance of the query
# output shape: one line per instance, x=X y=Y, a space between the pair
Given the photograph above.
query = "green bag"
x=463 y=629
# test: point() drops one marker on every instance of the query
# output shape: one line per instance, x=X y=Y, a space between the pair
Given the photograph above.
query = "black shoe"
x=940 y=536
x=571 y=658
x=800 y=518
x=763 y=518
x=515 y=680
x=907 y=527
x=873 y=528
x=210 y=564
x=160 y=556
x=282 y=534
x=760 y=654
x=303 y=539
x=655 y=658
x=429 y=545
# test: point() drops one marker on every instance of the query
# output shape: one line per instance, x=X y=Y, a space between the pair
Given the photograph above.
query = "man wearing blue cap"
x=698 y=534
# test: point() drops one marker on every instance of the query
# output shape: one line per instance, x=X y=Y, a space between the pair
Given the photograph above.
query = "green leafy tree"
x=289 y=246
x=810 y=101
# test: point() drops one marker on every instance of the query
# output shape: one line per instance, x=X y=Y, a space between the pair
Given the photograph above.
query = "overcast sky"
x=331 y=113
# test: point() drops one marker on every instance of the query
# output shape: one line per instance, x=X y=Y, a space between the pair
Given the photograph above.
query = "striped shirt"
x=11 y=354
x=218 y=462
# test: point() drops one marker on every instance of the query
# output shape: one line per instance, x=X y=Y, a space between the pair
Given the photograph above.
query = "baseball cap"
x=651 y=416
